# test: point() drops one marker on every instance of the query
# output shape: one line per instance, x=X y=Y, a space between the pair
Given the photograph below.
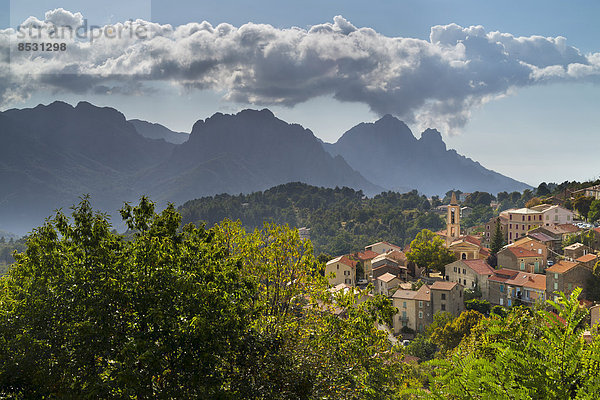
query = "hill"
x=340 y=220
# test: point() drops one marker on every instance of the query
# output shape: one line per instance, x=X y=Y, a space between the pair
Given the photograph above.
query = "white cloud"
x=435 y=82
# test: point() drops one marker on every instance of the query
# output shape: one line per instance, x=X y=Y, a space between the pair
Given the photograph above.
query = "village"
x=541 y=255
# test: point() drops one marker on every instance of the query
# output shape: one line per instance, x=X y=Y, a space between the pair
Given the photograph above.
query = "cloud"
x=435 y=82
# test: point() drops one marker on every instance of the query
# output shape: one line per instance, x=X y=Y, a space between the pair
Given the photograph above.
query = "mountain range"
x=388 y=154
x=52 y=154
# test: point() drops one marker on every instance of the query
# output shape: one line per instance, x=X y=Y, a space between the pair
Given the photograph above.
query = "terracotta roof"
x=385 y=257
x=396 y=255
x=587 y=258
x=344 y=260
x=540 y=236
x=366 y=255
x=521 y=252
x=387 y=277
x=404 y=294
x=562 y=266
x=569 y=227
x=472 y=239
x=597 y=229
x=525 y=279
x=479 y=266
x=443 y=285
x=502 y=275
x=424 y=293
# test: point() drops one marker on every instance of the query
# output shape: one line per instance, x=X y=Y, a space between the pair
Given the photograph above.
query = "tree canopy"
x=184 y=312
x=428 y=250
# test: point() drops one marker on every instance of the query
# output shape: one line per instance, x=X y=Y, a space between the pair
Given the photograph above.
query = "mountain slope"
x=158 y=131
x=51 y=155
x=388 y=154
x=249 y=151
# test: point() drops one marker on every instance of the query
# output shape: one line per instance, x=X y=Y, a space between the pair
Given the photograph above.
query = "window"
x=529 y=218
x=555 y=285
x=454 y=269
x=463 y=256
x=555 y=275
x=501 y=302
x=510 y=226
x=420 y=303
x=443 y=296
x=464 y=271
x=510 y=216
x=523 y=227
x=421 y=314
x=465 y=282
x=443 y=307
x=501 y=288
x=404 y=306
x=522 y=265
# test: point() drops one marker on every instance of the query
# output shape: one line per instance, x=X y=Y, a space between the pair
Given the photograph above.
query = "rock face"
x=51 y=155
x=388 y=154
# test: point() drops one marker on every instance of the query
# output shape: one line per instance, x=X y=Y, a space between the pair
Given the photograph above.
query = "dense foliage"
x=176 y=312
x=340 y=220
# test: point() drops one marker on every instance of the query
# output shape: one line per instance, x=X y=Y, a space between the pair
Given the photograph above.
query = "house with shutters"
x=343 y=270
x=565 y=276
x=521 y=259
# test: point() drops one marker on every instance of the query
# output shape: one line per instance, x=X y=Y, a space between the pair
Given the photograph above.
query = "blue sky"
x=543 y=132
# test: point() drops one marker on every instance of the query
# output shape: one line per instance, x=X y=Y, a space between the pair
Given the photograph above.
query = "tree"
x=594 y=213
x=182 y=312
x=527 y=354
x=536 y=201
x=481 y=306
x=85 y=313
x=450 y=335
x=428 y=250
x=542 y=190
x=497 y=239
x=582 y=204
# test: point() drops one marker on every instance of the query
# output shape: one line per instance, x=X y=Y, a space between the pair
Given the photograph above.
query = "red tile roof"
x=344 y=260
x=525 y=279
x=366 y=255
x=472 y=239
x=562 y=266
x=521 y=252
x=443 y=285
x=587 y=258
x=479 y=266
x=542 y=237
x=503 y=274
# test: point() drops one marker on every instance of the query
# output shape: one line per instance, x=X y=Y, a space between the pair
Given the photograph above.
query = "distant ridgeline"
x=340 y=220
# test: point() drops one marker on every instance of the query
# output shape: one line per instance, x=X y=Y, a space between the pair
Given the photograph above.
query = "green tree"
x=429 y=251
x=594 y=213
x=583 y=204
x=450 y=335
x=497 y=238
x=481 y=306
x=84 y=313
x=528 y=354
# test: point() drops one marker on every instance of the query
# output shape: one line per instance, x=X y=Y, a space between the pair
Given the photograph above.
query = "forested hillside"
x=340 y=220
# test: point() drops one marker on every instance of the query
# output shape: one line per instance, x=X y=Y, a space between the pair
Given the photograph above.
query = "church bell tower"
x=453 y=220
